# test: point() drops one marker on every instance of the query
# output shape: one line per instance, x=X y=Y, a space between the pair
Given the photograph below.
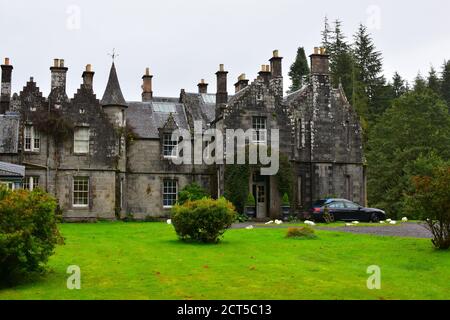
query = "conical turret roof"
x=113 y=94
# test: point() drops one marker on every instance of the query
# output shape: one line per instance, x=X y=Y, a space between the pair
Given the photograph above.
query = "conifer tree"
x=299 y=69
x=399 y=85
x=445 y=83
x=433 y=81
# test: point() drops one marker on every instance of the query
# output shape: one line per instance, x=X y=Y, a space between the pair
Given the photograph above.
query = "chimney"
x=88 y=77
x=147 y=90
x=241 y=83
x=5 y=95
x=202 y=86
x=58 y=75
x=276 y=65
x=265 y=73
x=222 y=94
x=320 y=62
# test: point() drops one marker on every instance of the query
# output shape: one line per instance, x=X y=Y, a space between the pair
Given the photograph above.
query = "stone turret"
x=113 y=102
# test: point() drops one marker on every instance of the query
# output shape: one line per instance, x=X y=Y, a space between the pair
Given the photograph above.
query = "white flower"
x=349 y=224
x=270 y=222
x=310 y=223
x=355 y=222
x=169 y=221
x=405 y=219
x=393 y=222
x=249 y=227
x=278 y=222
x=382 y=222
x=388 y=220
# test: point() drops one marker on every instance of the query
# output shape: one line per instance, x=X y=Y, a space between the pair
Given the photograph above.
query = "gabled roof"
x=11 y=170
x=113 y=94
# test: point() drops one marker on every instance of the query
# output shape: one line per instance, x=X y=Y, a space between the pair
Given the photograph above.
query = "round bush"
x=28 y=233
x=203 y=220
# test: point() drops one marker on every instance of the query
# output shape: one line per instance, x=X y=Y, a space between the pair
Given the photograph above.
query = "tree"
x=433 y=81
x=299 y=69
x=445 y=84
x=399 y=85
x=368 y=61
x=431 y=196
x=417 y=124
x=420 y=84
x=326 y=35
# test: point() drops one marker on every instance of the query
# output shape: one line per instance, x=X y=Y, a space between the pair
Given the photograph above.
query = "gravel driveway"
x=407 y=230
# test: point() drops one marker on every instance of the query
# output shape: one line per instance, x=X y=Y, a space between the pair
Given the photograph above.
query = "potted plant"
x=285 y=207
x=250 y=206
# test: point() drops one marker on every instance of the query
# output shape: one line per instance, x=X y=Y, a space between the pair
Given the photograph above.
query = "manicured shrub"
x=192 y=192
x=285 y=200
x=203 y=220
x=251 y=202
x=28 y=233
x=301 y=233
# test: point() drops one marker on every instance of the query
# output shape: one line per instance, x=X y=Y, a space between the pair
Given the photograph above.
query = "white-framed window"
x=81 y=140
x=170 y=146
x=32 y=139
x=9 y=185
x=170 y=193
x=299 y=191
x=301 y=134
x=80 y=193
x=259 y=129
x=30 y=183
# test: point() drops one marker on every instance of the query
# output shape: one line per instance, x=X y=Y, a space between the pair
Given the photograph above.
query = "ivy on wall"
x=237 y=180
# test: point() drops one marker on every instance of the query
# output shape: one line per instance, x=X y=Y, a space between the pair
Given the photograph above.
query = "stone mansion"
x=96 y=171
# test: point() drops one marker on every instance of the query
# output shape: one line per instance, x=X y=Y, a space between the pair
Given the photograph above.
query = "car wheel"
x=375 y=218
x=332 y=219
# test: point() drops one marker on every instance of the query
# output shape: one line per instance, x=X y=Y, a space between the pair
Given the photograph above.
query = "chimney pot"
x=275 y=53
x=221 y=67
x=6 y=61
x=320 y=61
x=56 y=63
x=61 y=63
x=147 y=71
x=89 y=68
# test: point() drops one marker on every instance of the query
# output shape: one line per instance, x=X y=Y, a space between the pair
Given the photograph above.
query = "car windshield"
x=351 y=205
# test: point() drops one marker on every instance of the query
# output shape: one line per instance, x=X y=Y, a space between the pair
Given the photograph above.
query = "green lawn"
x=146 y=261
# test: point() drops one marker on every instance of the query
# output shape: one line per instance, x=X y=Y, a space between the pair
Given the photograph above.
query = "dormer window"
x=82 y=111
x=32 y=139
x=259 y=130
x=81 y=140
x=170 y=146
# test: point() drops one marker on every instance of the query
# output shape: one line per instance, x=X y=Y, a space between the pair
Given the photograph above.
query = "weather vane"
x=113 y=55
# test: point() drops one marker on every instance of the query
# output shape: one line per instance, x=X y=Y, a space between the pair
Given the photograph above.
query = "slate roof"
x=113 y=94
x=9 y=132
x=202 y=106
x=11 y=170
x=144 y=118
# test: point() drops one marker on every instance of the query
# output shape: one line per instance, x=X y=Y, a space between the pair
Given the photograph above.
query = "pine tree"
x=433 y=81
x=445 y=83
x=399 y=85
x=299 y=69
x=368 y=61
x=420 y=84
x=326 y=35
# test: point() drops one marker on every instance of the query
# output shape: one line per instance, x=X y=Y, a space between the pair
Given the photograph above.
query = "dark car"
x=345 y=210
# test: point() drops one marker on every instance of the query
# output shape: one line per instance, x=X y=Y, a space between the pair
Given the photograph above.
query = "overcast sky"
x=183 y=41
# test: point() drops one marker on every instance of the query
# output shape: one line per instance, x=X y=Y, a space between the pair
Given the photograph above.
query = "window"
x=81 y=140
x=347 y=134
x=32 y=139
x=8 y=185
x=351 y=205
x=336 y=205
x=31 y=183
x=169 y=146
x=80 y=192
x=169 y=193
x=259 y=130
x=300 y=134
x=164 y=107
x=299 y=191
